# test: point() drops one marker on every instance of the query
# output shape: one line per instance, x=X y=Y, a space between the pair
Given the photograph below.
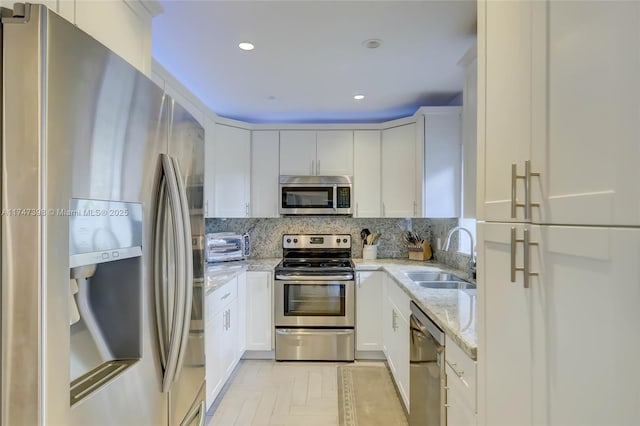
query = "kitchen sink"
x=431 y=276
x=439 y=279
x=450 y=285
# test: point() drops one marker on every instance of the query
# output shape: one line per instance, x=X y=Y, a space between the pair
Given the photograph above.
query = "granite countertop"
x=265 y=264
x=454 y=311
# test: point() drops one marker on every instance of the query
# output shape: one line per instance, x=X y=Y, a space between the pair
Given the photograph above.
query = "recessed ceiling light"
x=372 y=43
x=358 y=97
x=245 y=45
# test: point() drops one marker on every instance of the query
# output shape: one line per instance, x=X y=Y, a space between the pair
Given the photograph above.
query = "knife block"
x=420 y=253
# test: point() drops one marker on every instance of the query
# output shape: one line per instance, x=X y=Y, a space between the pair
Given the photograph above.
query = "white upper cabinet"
x=231 y=171
x=264 y=173
x=316 y=153
x=562 y=99
x=399 y=171
x=124 y=26
x=334 y=153
x=298 y=152
x=442 y=162
x=587 y=146
x=506 y=119
x=469 y=133
x=366 y=173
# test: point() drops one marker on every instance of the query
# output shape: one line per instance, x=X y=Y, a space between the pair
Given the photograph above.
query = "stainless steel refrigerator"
x=102 y=227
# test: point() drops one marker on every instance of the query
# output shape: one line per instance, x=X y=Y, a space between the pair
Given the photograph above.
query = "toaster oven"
x=227 y=246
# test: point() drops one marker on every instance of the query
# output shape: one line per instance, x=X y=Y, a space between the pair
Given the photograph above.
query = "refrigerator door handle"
x=160 y=284
x=176 y=333
x=188 y=270
x=197 y=411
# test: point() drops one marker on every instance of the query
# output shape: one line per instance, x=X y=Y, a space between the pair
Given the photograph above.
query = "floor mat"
x=367 y=397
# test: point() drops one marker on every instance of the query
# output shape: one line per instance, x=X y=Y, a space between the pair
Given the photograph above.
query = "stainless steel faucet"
x=471 y=266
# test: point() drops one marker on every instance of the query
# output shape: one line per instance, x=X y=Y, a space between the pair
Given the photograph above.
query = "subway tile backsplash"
x=266 y=234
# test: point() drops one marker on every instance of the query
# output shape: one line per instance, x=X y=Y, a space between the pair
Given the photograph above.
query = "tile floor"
x=265 y=392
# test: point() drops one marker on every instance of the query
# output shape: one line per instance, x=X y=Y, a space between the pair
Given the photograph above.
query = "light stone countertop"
x=454 y=311
x=265 y=264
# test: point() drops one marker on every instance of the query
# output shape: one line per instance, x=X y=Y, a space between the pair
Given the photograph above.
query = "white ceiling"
x=309 y=60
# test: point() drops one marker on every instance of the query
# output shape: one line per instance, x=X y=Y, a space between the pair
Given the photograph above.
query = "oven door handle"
x=298 y=332
x=323 y=278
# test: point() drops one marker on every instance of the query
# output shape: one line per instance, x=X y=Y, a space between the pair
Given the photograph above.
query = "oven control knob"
x=295 y=240
x=288 y=240
x=344 y=241
x=337 y=240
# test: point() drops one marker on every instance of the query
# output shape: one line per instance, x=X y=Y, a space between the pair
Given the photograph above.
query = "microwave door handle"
x=335 y=198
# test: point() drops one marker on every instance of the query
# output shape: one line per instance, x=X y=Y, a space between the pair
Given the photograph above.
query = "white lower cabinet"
x=395 y=317
x=369 y=335
x=259 y=311
x=221 y=337
x=461 y=386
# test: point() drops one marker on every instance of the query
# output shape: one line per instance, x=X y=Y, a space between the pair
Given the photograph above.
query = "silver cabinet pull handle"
x=384 y=210
x=513 y=254
x=318 y=168
x=225 y=296
x=459 y=373
x=514 y=179
x=526 y=267
x=527 y=190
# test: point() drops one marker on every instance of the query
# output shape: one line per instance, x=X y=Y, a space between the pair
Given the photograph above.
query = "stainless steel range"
x=315 y=298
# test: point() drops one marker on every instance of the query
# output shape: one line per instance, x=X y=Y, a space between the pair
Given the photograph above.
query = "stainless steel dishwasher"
x=426 y=368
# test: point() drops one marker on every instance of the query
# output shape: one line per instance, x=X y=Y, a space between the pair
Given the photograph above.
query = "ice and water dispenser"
x=105 y=292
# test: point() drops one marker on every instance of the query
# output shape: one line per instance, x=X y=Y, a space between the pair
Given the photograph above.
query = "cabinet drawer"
x=220 y=297
x=461 y=373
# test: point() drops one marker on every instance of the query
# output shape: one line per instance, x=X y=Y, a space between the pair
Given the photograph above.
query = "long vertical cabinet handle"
x=526 y=267
x=187 y=251
x=318 y=168
x=528 y=174
x=514 y=179
x=173 y=339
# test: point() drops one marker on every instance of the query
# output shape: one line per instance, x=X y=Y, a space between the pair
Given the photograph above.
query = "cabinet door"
x=504 y=64
x=591 y=296
x=298 y=152
x=442 y=162
x=241 y=315
x=264 y=173
x=259 y=312
x=505 y=312
x=209 y=167
x=231 y=357
x=369 y=327
x=232 y=171
x=214 y=340
x=334 y=153
x=366 y=173
x=117 y=25
x=588 y=152
x=399 y=171
x=459 y=413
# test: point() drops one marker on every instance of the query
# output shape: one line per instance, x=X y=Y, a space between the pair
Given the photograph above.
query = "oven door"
x=314 y=303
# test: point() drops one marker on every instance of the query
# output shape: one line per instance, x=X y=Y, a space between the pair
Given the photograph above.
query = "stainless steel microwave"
x=316 y=195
